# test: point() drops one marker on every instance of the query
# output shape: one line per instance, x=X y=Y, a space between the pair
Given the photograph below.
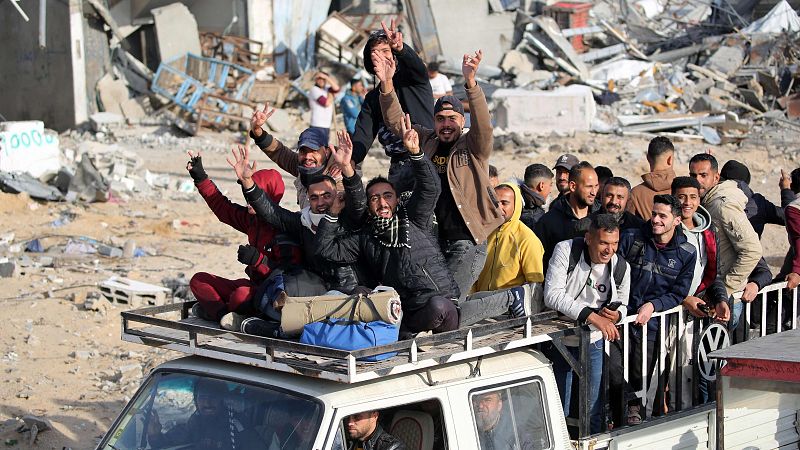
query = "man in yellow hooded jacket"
x=514 y=260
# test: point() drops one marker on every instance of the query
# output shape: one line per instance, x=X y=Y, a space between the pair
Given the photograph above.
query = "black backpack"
x=576 y=252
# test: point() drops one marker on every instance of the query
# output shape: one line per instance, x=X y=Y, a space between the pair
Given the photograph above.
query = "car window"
x=178 y=410
x=416 y=425
x=511 y=417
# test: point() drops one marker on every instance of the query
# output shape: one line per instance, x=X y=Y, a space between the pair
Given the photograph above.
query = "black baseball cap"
x=448 y=103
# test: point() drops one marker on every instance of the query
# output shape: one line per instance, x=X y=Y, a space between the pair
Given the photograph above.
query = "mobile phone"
x=613 y=306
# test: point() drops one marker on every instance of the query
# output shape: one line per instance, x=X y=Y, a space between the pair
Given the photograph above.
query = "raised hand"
x=395 y=37
x=195 y=167
x=384 y=68
x=410 y=136
x=241 y=165
x=785 y=182
x=259 y=118
x=343 y=156
x=469 y=67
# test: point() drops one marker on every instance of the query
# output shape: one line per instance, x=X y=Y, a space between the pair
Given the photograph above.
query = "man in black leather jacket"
x=366 y=434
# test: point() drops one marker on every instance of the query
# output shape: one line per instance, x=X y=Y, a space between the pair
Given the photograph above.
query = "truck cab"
x=485 y=387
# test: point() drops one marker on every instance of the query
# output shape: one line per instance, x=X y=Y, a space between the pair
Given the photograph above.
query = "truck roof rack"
x=171 y=327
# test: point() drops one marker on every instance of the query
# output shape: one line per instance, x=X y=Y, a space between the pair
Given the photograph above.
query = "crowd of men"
x=458 y=247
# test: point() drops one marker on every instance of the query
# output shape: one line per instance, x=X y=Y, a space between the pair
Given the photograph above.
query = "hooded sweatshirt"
x=704 y=241
x=259 y=234
x=533 y=206
x=514 y=255
x=654 y=183
x=739 y=246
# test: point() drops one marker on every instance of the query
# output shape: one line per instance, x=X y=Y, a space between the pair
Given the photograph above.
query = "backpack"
x=576 y=252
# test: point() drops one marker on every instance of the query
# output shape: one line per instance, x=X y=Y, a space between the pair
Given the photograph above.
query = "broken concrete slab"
x=727 y=60
x=707 y=103
x=176 y=31
x=562 y=110
x=753 y=99
x=106 y=121
x=26 y=147
x=280 y=121
x=17 y=182
x=552 y=30
x=132 y=110
x=112 y=93
x=516 y=62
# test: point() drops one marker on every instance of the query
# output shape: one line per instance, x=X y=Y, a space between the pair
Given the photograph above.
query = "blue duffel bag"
x=348 y=334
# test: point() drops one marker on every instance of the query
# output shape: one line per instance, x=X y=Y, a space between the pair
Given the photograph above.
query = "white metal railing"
x=666 y=339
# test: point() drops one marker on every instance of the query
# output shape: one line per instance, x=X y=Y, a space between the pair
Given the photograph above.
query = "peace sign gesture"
x=395 y=37
x=410 y=136
x=259 y=118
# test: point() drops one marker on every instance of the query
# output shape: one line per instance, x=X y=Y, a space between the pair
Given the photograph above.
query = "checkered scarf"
x=392 y=232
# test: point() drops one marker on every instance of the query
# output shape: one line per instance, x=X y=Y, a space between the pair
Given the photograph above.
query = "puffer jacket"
x=514 y=255
x=533 y=206
x=417 y=272
x=653 y=183
x=739 y=245
x=340 y=277
x=659 y=276
x=559 y=224
x=761 y=211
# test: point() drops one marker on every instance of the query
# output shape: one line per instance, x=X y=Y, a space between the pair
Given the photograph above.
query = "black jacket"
x=559 y=224
x=626 y=222
x=761 y=275
x=761 y=211
x=381 y=440
x=415 y=95
x=340 y=277
x=532 y=206
x=416 y=273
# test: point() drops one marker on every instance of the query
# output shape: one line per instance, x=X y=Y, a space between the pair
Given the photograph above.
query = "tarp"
x=780 y=19
x=295 y=24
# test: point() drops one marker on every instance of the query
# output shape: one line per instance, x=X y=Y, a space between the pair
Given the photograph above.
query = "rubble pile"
x=677 y=70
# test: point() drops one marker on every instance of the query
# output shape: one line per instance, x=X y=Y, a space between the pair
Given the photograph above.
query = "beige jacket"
x=468 y=165
x=739 y=247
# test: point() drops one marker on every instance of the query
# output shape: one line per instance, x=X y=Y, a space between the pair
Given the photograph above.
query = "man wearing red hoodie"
x=218 y=296
x=661 y=157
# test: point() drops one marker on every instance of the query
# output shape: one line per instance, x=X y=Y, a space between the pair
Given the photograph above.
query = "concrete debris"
x=27 y=147
x=133 y=293
x=176 y=31
x=567 y=109
x=781 y=19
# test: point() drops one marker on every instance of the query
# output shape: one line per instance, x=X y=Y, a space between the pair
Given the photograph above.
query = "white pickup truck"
x=481 y=388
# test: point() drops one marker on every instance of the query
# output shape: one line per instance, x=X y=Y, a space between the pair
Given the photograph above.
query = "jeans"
x=483 y=305
x=465 y=261
x=737 y=310
x=563 y=373
x=438 y=315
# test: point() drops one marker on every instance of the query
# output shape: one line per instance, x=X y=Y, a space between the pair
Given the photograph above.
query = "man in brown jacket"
x=466 y=211
x=660 y=156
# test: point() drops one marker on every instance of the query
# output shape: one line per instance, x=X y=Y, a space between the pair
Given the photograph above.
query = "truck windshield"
x=182 y=411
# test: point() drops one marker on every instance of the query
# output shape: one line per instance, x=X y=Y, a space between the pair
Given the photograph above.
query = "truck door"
x=419 y=420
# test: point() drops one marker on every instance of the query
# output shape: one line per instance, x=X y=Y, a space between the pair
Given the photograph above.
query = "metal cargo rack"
x=170 y=327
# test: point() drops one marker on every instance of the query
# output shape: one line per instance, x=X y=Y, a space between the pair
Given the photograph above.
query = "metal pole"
x=584 y=409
